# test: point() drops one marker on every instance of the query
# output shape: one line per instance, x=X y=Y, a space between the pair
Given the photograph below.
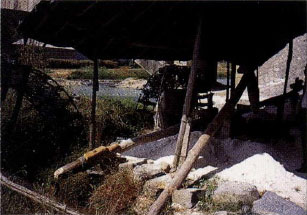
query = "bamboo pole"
x=203 y=141
x=183 y=135
x=93 y=157
x=59 y=207
x=185 y=143
x=93 y=130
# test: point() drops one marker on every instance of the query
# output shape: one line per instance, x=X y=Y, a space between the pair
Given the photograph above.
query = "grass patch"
x=117 y=118
x=206 y=203
x=113 y=74
x=116 y=194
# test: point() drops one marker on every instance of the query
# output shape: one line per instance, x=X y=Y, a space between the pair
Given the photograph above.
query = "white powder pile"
x=267 y=166
x=267 y=174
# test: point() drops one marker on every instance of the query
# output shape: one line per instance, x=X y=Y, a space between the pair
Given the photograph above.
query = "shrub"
x=77 y=64
x=104 y=73
x=74 y=190
x=68 y=64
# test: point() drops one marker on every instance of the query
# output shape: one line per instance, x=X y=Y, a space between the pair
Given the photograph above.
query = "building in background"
x=24 y=5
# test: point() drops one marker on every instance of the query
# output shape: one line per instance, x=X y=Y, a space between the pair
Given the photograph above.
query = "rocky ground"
x=245 y=177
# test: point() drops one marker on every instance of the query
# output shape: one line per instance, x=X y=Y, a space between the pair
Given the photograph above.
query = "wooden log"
x=212 y=128
x=188 y=98
x=59 y=207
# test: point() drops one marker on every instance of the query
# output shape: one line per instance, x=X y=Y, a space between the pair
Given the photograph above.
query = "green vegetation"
x=38 y=145
x=206 y=203
x=117 y=118
x=76 y=64
x=104 y=73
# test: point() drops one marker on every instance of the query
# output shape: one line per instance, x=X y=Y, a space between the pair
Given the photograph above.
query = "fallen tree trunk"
x=204 y=139
x=62 y=208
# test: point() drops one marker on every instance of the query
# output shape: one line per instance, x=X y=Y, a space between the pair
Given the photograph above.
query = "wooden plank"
x=202 y=142
x=59 y=207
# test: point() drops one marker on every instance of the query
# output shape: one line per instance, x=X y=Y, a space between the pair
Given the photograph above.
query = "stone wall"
x=272 y=72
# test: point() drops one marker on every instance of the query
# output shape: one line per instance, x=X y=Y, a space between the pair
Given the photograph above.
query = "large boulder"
x=187 y=197
x=231 y=192
x=149 y=171
x=271 y=203
x=132 y=162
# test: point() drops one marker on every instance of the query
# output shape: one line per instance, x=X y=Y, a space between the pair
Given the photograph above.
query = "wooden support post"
x=212 y=128
x=233 y=78
x=253 y=92
x=93 y=130
x=188 y=101
x=227 y=89
x=59 y=207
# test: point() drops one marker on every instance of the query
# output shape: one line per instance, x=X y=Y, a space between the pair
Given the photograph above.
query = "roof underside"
x=244 y=32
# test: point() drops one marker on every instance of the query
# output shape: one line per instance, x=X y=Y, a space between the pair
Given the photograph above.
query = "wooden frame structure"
x=174 y=43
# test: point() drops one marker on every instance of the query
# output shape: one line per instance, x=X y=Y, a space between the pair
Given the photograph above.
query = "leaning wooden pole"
x=183 y=136
x=212 y=128
x=61 y=208
x=93 y=130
